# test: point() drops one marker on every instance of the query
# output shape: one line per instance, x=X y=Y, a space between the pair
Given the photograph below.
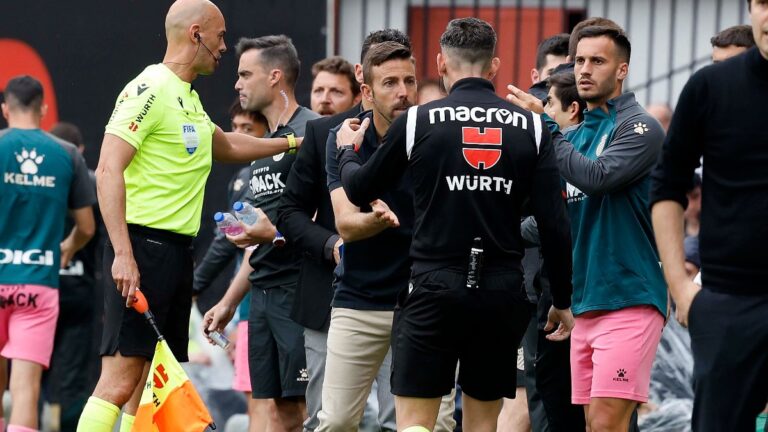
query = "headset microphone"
x=197 y=35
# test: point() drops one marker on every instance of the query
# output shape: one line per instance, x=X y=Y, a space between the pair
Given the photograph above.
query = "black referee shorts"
x=165 y=265
x=439 y=321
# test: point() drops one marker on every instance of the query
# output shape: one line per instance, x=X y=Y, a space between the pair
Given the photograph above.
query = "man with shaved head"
x=155 y=159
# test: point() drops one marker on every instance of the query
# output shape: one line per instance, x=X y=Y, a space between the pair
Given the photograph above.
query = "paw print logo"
x=29 y=160
x=303 y=375
x=621 y=373
x=640 y=128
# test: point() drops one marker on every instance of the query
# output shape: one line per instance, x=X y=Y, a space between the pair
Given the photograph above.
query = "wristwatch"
x=346 y=147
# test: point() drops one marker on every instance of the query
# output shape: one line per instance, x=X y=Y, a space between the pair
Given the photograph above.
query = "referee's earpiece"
x=197 y=36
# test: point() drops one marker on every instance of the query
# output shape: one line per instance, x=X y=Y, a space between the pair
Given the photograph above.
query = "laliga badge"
x=189 y=135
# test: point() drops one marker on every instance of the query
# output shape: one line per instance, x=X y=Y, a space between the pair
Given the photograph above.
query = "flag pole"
x=141 y=306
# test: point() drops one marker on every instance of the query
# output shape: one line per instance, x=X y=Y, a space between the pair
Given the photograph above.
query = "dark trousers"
x=729 y=340
x=549 y=386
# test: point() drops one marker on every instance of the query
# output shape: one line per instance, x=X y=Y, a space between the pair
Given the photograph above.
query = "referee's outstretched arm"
x=238 y=147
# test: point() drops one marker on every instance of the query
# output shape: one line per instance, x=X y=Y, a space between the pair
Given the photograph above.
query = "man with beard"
x=334 y=86
x=268 y=70
x=619 y=294
x=374 y=266
x=305 y=217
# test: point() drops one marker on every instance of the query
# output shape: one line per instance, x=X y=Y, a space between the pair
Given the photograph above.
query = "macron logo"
x=477 y=114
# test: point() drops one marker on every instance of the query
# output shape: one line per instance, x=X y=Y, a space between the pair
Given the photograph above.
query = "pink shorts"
x=28 y=315
x=612 y=353
x=242 y=372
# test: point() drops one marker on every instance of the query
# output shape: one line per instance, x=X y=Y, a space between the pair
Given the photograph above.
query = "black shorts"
x=276 y=359
x=441 y=321
x=165 y=267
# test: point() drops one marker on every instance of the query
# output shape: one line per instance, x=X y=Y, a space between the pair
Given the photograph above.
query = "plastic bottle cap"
x=218 y=217
x=237 y=206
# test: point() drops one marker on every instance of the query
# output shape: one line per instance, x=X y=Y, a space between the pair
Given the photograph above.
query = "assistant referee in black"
x=474 y=158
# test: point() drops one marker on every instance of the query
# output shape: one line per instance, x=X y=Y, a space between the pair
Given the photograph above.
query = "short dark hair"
x=471 y=39
x=589 y=22
x=277 y=51
x=386 y=35
x=740 y=36
x=24 y=93
x=556 y=45
x=618 y=36
x=564 y=84
x=381 y=53
x=68 y=132
x=337 y=66
x=236 y=109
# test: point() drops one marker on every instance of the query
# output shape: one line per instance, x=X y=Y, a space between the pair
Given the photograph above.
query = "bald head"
x=185 y=13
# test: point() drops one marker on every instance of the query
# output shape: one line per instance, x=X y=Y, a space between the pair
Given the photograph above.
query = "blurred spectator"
x=731 y=41
x=551 y=53
x=661 y=112
x=75 y=362
x=334 y=87
x=429 y=90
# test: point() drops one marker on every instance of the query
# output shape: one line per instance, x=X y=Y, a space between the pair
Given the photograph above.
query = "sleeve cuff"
x=561 y=303
x=329 y=245
x=122 y=135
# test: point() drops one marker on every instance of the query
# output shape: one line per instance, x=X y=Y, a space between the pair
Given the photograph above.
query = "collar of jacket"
x=472 y=83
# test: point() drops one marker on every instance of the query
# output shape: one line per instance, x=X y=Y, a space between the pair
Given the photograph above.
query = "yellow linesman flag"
x=170 y=402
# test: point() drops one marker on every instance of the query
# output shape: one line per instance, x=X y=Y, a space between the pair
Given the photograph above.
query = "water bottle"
x=475 y=263
x=227 y=223
x=245 y=212
x=219 y=339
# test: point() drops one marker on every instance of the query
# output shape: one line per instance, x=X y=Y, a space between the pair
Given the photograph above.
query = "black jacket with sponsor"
x=474 y=158
x=275 y=267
